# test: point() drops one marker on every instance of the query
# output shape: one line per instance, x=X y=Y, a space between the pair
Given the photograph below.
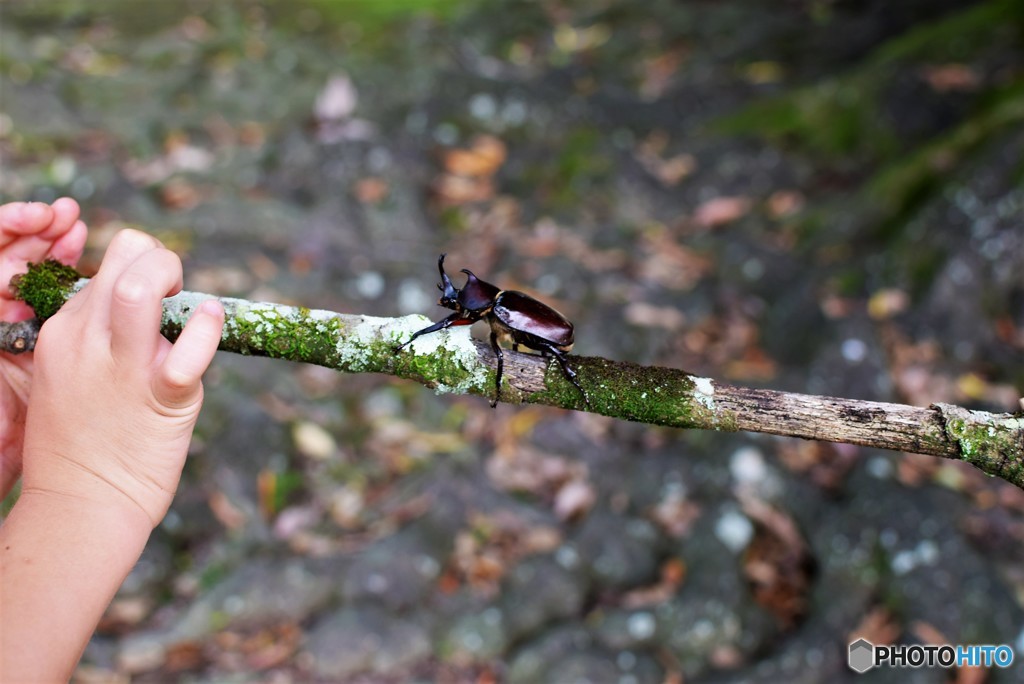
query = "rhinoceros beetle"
x=513 y=316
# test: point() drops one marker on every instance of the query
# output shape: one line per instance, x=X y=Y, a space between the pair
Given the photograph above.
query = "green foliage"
x=956 y=37
x=375 y=13
x=900 y=185
x=842 y=115
x=834 y=118
x=851 y=122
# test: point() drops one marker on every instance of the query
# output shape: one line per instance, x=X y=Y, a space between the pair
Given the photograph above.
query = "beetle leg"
x=501 y=363
x=515 y=346
x=454 y=319
x=570 y=374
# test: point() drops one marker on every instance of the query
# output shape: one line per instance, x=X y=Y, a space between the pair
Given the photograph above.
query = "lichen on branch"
x=450 y=361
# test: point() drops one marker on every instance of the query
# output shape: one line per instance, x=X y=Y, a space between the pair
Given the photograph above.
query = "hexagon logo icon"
x=862 y=655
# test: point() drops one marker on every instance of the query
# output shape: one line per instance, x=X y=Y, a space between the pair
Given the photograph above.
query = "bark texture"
x=451 y=361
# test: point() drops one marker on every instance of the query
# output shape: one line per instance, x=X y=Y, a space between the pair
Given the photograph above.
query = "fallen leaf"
x=676 y=514
x=754 y=364
x=670 y=171
x=228 y=280
x=252 y=134
x=179 y=194
x=194 y=28
x=673 y=170
x=184 y=655
x=763 y=72
x=179 y=156
x=313 y=441
x=371 y=190
x=945 y=78
x=887 y=302
x=229 y=515
x=267 y=485
x=649 y=316
x=479 y=565
x=264 y=648
x=482 y=158
x=495 y=542
x=125 y=613
x=912 y=366
x=777 y=562
x=726 y=656
x=837 y=307
x=972 y=386
x=669 y=263
x=657 y=72
x=826 y=464
x=913 y=470
x=295 y=520
x=337 y=100
x=1008 y=332
x=347 y=504
x=453 y=190
x=570 y=39
x=673 y=572
x=721 y=211
x=785 y=203
x=540 y=539
x=574 y=499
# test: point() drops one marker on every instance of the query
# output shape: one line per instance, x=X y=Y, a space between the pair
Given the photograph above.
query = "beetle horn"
x=448 y=291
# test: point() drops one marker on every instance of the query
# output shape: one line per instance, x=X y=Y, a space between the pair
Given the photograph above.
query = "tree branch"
x=451 y=361
x=20 y=337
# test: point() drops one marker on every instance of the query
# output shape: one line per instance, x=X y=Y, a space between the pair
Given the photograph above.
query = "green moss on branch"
x=992 y=442
x=451 y=362
x=45 y=287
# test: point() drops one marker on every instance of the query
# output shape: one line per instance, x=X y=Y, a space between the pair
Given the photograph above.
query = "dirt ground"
x=820 y=197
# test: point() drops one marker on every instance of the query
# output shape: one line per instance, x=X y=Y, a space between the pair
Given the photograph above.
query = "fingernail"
x=211 y=307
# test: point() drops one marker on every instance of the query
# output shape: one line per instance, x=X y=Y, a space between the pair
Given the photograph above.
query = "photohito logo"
x=863 y=655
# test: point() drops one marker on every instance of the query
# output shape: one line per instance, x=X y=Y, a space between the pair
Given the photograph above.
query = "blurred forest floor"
x=813 y=196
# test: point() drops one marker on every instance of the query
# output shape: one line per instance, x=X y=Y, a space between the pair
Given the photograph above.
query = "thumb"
x=177 y=381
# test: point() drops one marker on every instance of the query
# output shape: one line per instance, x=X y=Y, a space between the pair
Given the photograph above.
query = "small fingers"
x=127 y=246
x=68 y=248
x=30 y=232
x=65 y=215
x=136 y=305
x=20 y=226
x=23 y=218
x=177 y=383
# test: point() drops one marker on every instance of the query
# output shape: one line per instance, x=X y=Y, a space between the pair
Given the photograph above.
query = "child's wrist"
x=75 y=486
x=63 y=559
x=91 y=504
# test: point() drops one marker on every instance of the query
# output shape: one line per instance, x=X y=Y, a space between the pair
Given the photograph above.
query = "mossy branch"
x=451 y=361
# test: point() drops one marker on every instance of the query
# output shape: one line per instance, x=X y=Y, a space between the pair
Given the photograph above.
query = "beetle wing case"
x=521 y=312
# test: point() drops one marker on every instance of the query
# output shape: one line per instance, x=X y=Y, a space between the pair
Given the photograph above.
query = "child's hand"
x=29 y=231
x=113 y=403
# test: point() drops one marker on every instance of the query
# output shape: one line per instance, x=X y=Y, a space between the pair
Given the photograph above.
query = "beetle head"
x=476 y=295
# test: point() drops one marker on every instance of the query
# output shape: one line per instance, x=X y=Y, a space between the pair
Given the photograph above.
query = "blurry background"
x=821 y=196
